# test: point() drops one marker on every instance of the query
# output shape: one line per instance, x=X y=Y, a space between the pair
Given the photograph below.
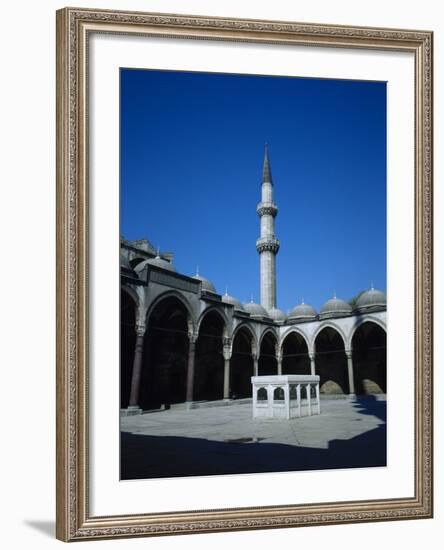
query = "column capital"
x=348 y=353
x=311 y=355
x=227 y=352
x=192 y=337
x=140 y=329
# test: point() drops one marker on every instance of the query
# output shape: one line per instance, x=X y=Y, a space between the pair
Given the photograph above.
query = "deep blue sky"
x=192 y=148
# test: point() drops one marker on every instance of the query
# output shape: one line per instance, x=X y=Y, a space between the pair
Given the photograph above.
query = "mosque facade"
x=183 y=342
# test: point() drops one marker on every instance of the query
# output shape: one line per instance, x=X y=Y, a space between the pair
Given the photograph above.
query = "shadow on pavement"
x=146 y=456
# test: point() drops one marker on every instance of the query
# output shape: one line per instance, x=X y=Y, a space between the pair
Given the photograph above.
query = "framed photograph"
x=244 y=274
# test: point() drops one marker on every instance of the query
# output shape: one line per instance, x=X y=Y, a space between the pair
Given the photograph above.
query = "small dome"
x=206 y=284
x=335 y=308
x=303 y=311
x=233 y=301
x=371 y=298
x=157 y=262
x=255 y=310
x=277 y=314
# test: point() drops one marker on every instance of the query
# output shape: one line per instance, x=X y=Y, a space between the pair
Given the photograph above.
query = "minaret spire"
x=266 y=171
x=267 y=245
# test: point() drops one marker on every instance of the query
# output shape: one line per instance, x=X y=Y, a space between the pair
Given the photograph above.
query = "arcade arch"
x=331 y=361
x=267 y=354
x=295 y=358
x=369 y=349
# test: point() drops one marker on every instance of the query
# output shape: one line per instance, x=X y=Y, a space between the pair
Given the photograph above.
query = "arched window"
x=278 y=394
x=262 y=394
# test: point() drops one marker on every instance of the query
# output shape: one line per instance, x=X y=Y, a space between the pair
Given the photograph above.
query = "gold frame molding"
x=73 y=519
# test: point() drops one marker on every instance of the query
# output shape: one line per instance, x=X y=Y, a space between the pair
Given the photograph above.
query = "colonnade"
x=255 y=359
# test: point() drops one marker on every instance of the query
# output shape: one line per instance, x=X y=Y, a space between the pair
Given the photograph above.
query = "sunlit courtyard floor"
x=349 y=433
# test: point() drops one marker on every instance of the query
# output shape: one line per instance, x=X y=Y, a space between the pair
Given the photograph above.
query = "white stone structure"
x=285 y=396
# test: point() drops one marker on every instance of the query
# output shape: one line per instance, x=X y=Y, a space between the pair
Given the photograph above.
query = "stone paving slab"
x=347 y=433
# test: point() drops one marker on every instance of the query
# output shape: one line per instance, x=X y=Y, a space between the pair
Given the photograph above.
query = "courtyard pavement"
x=349 y=433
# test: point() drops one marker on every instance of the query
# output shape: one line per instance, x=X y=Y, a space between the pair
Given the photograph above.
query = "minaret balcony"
x=267 y=208
x=269 y=244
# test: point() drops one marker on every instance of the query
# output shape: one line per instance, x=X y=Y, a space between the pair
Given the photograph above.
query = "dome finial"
x=158 y=252
x=251 y=298
x=197 y=270
x=371 y=286
x=226 y=290
x=334 y=295
x=302 y=302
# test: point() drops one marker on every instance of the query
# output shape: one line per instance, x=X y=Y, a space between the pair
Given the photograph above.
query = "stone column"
x=351 y=380
x=227 y=357
x=318 y=399
x=279 y=358
x=190 y=367
x=312 y=363
x=137 y=368
x=298 y=393
x=287 y=400
x=255 y=364
x=308 y=390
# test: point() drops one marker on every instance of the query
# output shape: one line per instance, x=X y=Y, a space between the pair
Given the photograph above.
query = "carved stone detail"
x=140 y=329
x=267 y=243
x=267 y=208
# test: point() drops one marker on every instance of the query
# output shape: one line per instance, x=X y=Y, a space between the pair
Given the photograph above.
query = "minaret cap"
x=266 y=172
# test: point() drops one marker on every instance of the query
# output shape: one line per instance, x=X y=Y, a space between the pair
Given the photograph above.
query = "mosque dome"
x=335 y=308
x=207 y=285
x=303 y=312
x=157 y=262
x=233 y=301
x=276 y=314
x=255 y=310
x=371 y=299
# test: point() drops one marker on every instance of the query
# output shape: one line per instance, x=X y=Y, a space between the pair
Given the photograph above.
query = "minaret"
x=267 y=245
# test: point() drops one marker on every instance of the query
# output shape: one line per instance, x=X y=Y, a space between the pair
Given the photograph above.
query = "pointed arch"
x=295 y=353
x=331 y=360
x=369 y=353
x=247 y=327
x=165 y=351
x=297 y=330
x=219 y=311
x=171 y=294
x=268 y=343
x=211 y=333
x=360 y=321
x=268 y=330
x=328 y=324
x=243 y=347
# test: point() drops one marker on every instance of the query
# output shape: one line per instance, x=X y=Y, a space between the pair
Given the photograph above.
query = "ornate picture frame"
x=75 y=521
